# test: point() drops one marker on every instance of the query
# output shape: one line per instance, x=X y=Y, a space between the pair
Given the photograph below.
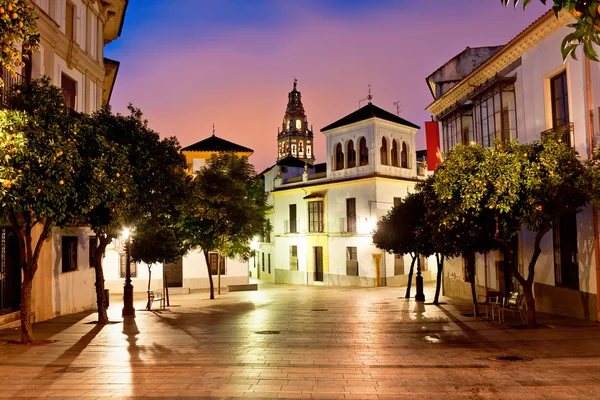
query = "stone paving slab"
x=298 y=342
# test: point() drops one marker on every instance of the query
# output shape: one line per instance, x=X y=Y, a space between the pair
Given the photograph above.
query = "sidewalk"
x=286 y=341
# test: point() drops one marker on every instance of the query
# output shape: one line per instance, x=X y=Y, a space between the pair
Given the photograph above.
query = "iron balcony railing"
x=9 y=81
x=566 y=131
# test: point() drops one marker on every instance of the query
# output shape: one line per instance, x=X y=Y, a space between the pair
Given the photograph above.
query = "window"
x=398 y=264
x=123 y=266
x=216 y=261
x=294 y=258
x=404 y=156
x=70 y=21
x=457 y=128
x=69 y=253
x=351 y=215
x=69 y=87
x=351 y=261
x=263 y=261
x=397 y=201
x=469 y=266
x=363 y=151
x=339 y=157
x=293 y=225
x=494 y=113
x=394 y=153
x=566 y=264
x=269 y=262
x=93 y=245
x=315 y=216
x=351 y=155
x=298 y=124
x=560 y=100
x=383 y=152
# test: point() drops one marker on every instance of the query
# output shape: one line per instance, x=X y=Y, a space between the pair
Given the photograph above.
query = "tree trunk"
x=99 y=284
x=410 y=275
x=149 y=303
x=438 y=284
x=26 y=330
x=210 y=280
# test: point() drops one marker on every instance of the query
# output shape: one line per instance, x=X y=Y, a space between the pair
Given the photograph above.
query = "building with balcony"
x=520 y=91
x=324 y=214
x=73 y=34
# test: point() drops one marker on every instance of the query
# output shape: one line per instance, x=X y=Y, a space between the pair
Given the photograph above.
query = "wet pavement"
x=286 y=341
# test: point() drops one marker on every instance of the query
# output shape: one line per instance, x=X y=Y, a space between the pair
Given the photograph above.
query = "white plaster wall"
x=364 y=252
x=195 y=273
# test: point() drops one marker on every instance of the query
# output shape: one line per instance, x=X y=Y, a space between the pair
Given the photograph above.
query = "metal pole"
x=420 y=296
x=128 y=310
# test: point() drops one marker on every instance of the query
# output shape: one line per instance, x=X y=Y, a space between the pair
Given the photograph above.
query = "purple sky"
x=191 y=63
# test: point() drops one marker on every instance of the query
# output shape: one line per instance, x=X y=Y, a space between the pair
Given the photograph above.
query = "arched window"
x=351 y=155
x=363 y=151
x=404 y=156
x=339 y=157
x=383 y=151
x=394 y=153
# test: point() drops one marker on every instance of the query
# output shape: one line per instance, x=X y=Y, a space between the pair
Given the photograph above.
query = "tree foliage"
x=586 y=28
x=226 y=208
x=18 y=32
x=528 y=185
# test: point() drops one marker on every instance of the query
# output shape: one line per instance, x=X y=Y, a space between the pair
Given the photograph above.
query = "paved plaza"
x=290 y=342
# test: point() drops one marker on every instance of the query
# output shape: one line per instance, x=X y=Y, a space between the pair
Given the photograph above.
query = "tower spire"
x=295 y=82
x=213 y=129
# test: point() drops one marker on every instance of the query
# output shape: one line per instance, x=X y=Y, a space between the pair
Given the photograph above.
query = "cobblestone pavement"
x=287 y=341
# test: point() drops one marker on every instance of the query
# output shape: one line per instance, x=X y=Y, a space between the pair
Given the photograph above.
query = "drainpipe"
x=588 y=92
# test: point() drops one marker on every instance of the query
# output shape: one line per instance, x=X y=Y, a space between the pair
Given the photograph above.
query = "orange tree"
x=226 y=208
x=39 y=161
x=529 y=185
x=18 y=34
x=586 y=28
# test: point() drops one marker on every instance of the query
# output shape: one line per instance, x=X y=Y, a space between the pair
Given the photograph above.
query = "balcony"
x=9 y=82
x=566 y=131
x=290 y=226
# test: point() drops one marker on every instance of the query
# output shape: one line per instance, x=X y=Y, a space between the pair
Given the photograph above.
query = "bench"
x=514 y=303
x=155 y=296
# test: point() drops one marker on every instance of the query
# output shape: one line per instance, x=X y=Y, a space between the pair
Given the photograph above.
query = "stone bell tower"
x=295 y=139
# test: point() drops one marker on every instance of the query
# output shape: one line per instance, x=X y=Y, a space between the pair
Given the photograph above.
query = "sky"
x=189 y=64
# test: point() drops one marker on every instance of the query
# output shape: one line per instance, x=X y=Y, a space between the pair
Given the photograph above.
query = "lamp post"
x=128 y=310
x=420 y=295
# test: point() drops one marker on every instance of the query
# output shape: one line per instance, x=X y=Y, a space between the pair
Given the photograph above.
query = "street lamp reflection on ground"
x=128 y=310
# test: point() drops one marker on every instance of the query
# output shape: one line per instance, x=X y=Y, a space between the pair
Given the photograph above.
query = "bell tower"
x=295 y=139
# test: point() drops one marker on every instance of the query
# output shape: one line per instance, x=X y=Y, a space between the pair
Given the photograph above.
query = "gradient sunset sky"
x=191 y=63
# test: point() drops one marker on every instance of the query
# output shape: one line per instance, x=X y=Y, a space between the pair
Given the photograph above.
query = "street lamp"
x=128 y=310
x=420 y=295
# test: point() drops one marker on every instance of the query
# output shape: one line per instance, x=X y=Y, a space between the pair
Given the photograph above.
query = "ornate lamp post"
x=420 y=295
x=128 y=310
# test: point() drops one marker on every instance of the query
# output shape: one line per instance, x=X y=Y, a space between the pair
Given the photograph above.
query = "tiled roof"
x=214 y=143
x=291 y=161
x=367 y=112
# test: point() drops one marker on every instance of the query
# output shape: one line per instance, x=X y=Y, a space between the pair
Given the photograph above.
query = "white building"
x=519 y=91
x=324 y=214
x=73 y=35
x=191 y=271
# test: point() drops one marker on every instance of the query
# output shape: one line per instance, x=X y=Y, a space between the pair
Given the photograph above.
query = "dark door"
x=10 y=272
x=174 y=273
x=318 y=263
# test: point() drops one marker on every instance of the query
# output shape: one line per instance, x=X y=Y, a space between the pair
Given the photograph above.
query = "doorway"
x=10 y=272
x=318 y=263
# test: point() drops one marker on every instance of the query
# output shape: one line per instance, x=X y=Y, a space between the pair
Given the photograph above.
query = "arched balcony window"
x=383 y=151
x=404 y=155
x=363 y=151
x=351 y=154
x=394 y=153
x=339 y=157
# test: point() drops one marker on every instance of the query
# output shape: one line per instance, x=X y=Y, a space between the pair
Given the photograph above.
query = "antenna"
x=369 y=97
x=398 y=107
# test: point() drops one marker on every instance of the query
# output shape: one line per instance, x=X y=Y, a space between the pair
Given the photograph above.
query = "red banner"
x=432 y=136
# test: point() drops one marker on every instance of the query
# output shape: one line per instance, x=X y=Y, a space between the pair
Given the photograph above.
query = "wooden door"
x=318 y=263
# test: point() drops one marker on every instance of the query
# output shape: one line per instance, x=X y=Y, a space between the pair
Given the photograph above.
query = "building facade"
x=73 y=34
x=323 y=215
x=519 y=92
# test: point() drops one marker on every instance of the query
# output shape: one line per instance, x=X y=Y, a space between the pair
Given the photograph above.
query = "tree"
x=226 y=208
x=18 y=34
x=529 y=185
x=586 y=29
x=397 y=231
x=39 y=161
